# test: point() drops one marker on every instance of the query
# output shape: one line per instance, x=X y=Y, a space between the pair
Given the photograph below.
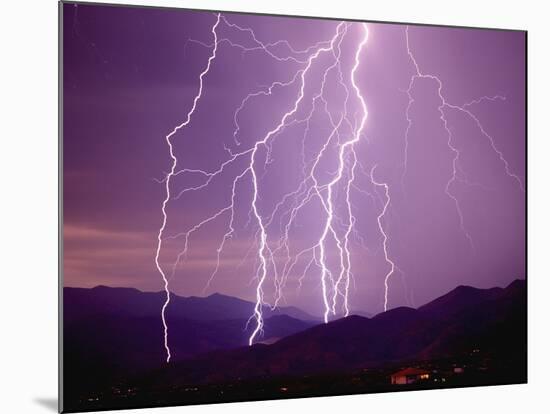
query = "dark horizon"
x=318 y=316
x=463 y=337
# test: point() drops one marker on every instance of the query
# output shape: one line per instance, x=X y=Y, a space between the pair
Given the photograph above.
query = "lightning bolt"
x=325 y=272
x=275 y=256
x=265 y=254
x=274 y=253
x=384 y=234
x=346 y=150
x=310 y=189
x=167 y=187
x=464 y=109
x=263 y=233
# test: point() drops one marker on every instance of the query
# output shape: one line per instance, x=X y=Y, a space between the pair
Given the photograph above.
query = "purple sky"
x=130 y=76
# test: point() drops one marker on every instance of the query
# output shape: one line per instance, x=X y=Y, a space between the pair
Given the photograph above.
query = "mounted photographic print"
x=259 y=207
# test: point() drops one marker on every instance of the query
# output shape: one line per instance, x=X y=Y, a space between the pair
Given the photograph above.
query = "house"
x=410 y=376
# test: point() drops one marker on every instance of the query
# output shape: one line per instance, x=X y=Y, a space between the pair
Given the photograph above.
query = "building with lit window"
x=410 y=376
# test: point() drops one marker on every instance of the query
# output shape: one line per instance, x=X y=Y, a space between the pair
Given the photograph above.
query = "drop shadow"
x=49 y=403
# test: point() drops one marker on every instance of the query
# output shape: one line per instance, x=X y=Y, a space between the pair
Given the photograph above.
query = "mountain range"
x=113 y=335
x=80 y=303
x=465 y=319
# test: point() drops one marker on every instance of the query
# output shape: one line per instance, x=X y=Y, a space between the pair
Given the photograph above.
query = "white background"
x=28 y=205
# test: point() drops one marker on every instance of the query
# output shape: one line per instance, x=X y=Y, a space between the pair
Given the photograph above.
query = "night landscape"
x=460 y=339
x=263 y=207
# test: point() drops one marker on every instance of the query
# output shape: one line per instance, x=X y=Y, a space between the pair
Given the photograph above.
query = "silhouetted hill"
x=120 y=342
x=490 y=321
x=361 y=313
x=80 y=303
x=458 y=299
x=109 y=332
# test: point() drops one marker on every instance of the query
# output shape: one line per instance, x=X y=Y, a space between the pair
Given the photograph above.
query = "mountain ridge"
x=397 y=335
x=103 y=299
x=127 y=346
